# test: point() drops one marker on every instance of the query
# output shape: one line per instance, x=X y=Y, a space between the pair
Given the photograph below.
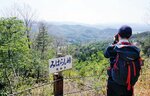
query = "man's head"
x=125 y=32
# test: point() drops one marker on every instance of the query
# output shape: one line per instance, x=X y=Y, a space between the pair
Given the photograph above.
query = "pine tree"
x=42 y=40
x=41 y=46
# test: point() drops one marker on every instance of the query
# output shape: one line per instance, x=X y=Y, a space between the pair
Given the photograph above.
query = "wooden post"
x=58 y=84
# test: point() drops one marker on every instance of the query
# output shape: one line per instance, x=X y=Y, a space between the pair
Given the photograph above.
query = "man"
x=115 y=85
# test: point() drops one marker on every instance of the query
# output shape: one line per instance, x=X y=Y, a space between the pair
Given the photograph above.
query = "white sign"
x=60 y=64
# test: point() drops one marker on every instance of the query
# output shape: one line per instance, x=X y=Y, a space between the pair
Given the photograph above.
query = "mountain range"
x=75 y=33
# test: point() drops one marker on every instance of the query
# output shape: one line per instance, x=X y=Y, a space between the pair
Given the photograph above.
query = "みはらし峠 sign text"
x=60 y=64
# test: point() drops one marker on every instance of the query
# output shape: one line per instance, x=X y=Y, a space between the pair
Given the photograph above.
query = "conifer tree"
x=42 y=40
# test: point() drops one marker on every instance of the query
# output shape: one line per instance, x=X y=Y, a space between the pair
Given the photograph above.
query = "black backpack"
x=127 y=66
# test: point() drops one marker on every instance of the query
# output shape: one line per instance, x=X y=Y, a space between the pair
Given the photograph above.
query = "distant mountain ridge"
x=141 y=36
x=137 y=28
x=80 y=33
x=75 y=33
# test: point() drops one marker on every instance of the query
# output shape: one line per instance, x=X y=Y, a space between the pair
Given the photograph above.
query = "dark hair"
x=125 y=31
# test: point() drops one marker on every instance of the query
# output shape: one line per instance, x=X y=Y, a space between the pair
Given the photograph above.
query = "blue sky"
x=87 y=11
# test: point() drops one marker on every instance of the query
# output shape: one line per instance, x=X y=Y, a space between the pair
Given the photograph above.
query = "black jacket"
x=110 y=53
x=112 y=50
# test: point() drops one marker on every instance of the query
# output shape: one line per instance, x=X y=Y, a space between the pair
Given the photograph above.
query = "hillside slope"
x=142 y=87
x=79 y=33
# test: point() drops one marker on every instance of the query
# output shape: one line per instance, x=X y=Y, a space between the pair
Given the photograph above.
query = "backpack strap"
x=116 y=62
x=128 y=77
x=117 y=58
x=134 y=68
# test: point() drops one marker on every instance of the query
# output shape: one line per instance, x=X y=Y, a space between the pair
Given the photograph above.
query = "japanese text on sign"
x=60 y=64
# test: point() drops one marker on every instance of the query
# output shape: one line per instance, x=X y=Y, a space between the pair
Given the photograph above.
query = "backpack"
x=127 y=66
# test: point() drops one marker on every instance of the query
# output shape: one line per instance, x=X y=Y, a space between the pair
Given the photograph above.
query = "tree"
x=13 y=52
x=41 y=45
x=42 y=40
x=28 y=17
x=25 y=13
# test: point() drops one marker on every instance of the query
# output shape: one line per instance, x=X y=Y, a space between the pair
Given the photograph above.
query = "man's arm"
x=110 y=52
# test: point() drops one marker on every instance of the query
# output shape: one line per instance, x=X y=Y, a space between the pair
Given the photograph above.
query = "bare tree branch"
x=23 y=12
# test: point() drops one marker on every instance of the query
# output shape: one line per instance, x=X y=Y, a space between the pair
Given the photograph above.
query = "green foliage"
x=13 y=52
x=144 y=41
x=21 y=67
x=42 y=39
x=90 y=61
x=40 y=54
x=146 y=46
x=90 y=51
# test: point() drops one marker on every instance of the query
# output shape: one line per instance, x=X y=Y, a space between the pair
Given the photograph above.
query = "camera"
x=116 y=39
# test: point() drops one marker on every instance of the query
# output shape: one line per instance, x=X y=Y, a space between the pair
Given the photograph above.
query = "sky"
x=87 y=11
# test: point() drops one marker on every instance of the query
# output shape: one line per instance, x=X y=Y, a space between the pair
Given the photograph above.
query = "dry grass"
x=142 y=88
x=71 y=88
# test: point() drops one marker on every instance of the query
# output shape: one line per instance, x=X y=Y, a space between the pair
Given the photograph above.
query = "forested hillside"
x=24 y=62
x=78 y=33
